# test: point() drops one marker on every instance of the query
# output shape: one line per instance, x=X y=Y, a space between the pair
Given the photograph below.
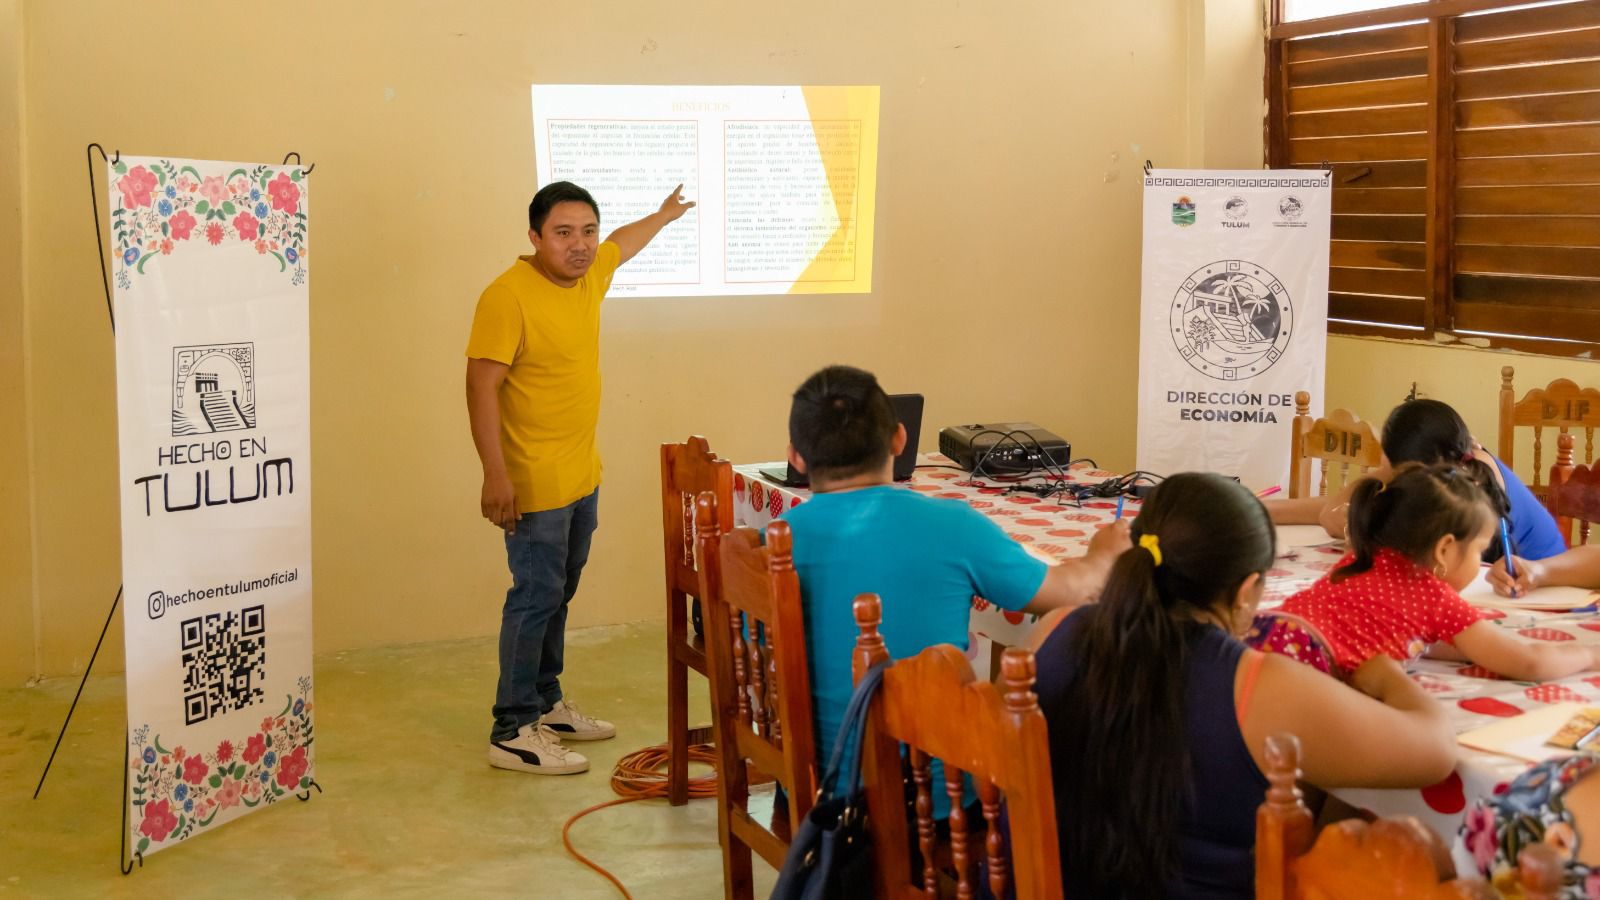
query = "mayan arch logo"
x=213 y=388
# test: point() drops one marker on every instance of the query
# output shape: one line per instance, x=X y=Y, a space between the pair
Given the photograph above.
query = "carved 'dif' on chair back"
x=1561 y=405
x=1337 y=439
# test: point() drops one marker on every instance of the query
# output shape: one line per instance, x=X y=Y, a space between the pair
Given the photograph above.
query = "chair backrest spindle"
x=760 y=685
x=1575 y=496
x=1355 y=860
x=1561 y=405
x=996 y=736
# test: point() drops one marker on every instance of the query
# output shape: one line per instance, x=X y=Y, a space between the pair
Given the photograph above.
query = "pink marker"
x=1269 y=491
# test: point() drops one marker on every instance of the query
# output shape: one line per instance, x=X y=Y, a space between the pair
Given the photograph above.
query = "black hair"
x=554 y=193
x=1420 y=505
x=1119 y=750
x=841 y=423
x=1431 y=432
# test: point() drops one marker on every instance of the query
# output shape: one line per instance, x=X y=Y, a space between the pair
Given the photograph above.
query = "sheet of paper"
x=1524 y=736
x=1480 y=593
x=1290 y=536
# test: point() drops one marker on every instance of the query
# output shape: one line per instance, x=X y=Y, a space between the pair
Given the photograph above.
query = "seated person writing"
x=1158 y=715
x=926 y=558
x=1430 y=432
x=1578 y=567
x=1415 y=543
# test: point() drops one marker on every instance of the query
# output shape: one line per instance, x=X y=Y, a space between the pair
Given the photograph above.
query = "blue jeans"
x=546 y=554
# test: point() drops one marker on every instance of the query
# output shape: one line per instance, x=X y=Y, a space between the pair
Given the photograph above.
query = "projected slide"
x=784 y=179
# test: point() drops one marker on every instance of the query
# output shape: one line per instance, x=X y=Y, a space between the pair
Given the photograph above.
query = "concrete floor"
x=410 y=807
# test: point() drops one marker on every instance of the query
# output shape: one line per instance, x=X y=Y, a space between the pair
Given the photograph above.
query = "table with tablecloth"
x=1061 y=527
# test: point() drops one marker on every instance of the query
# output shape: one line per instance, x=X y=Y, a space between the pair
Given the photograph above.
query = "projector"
x=1027 y=448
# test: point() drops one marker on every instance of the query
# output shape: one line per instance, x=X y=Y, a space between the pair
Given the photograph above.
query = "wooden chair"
x=760 y=684
x=1561 y=405
x=1340 y=437
x=1574 y=494
x=687 y=469
x=1397 y=858
x=933 y=704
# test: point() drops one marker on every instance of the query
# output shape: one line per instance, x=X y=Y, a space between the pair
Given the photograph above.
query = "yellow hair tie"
x=1153 y=544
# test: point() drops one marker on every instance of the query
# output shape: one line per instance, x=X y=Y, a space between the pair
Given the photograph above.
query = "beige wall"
x=16 y=544
x=1235 y=55
x=1006 y=278
x=1370 y=376
x=1006 y=282
x=1226 y=56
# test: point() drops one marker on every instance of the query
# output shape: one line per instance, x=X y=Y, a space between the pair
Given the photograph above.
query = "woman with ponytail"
x=1431 y=433
x=1415 y=542
x=1158 y=715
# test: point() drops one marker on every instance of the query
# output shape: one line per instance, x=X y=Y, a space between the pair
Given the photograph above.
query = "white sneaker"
x=565 y=720
x=536 y=749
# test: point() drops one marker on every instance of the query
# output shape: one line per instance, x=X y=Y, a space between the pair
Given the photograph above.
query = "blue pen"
x=1505 y=546
x=1121 y=498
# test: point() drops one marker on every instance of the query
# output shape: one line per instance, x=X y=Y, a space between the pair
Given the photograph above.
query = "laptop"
x=907 y=410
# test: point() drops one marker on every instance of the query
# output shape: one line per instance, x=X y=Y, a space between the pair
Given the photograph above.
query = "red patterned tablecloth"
x=1061 y=529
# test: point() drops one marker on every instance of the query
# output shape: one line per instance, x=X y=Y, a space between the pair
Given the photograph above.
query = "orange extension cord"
x=641 y=775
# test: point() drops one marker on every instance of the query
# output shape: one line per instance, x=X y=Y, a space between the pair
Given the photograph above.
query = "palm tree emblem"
x=1230 y=320
x=1256 y=304
x=1242 y=291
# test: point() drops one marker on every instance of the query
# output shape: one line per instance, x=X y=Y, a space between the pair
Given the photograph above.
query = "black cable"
x=1058 y=478
x=124 y=862
x=1044 y=460
x=306 y=172
x=86 y=670
x=977 y=463
x=99 y=240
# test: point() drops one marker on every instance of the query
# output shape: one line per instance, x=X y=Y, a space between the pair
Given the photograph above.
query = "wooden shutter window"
x=1465 y=149
x=1527 y=185
x=1358 y=101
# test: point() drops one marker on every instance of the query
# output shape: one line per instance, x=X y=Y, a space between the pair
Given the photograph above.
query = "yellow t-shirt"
x=550 y=400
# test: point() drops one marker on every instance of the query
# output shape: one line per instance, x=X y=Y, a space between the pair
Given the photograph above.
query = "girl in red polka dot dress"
x=1414 y=544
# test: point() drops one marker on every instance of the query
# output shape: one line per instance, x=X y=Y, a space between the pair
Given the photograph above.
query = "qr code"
x=224 y=662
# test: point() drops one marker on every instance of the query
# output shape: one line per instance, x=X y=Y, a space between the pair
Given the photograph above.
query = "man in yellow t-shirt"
x=533 y=396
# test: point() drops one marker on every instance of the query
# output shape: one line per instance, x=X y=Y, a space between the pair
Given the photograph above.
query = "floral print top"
x=1527 y=811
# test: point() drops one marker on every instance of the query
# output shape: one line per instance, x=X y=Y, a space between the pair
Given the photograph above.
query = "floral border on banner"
x=161 y=207
x=176 y=792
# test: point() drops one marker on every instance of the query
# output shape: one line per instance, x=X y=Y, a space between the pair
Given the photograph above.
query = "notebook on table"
x=1481 y=593
x=1526 y=736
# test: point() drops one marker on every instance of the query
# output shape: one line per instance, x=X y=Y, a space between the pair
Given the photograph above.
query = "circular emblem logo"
x=1236 y=208
x=1290 y=207
x=1231 y=320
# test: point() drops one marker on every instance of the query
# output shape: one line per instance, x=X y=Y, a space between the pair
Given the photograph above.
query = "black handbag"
x=830 y=856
